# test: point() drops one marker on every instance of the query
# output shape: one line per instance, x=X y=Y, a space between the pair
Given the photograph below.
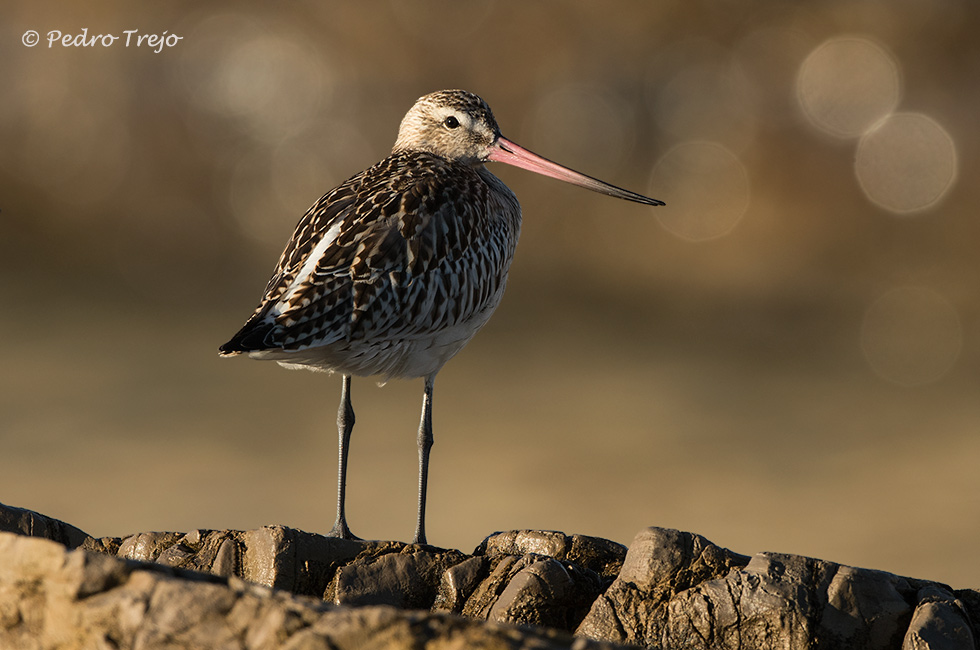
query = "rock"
x=660 y=564
x=677 y=590
x=779 y=600
x=496 y=575
x=527 y=590
x=51 y=597
x=457 y=583
x=300 y=562
x=601 y=555
x=32 y=524
x=940 y=621
x=548 y=593
x=244 y=589
x=408 y=579
x=532 y=578
x=148 y=547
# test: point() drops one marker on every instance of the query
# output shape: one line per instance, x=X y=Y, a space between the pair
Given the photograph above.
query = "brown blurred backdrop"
x=784 y=358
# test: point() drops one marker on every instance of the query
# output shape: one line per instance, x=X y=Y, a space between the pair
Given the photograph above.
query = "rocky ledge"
x=278 y=587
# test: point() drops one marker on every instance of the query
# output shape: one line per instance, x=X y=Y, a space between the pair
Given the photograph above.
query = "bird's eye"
x=452 y=122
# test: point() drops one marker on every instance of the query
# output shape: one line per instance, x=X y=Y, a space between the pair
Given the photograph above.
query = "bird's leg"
x=425 y=444
x=345 y=424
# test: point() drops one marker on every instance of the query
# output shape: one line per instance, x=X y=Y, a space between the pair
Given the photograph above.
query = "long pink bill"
x=505 y=151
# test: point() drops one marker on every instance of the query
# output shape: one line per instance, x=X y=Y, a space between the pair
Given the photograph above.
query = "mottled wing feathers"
x=384 y=255
x=333 y=207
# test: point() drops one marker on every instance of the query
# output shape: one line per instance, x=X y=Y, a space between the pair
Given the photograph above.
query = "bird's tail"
x=254 y=335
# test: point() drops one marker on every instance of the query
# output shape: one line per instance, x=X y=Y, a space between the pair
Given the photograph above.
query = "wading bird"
x=394 y=271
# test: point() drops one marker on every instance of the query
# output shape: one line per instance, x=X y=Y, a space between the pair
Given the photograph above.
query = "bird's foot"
x=341 y=530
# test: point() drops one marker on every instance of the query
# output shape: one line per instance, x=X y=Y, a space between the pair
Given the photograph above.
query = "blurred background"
x=783 y=358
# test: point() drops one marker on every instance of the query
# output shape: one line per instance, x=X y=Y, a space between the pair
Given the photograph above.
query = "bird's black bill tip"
x=617 y=192
x=638 y=198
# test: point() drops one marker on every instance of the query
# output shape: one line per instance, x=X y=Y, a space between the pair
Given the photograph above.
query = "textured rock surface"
x=277 y=587
x=51 y=597
x=600 y=555
x=678 y=590
x=32 y=524
x=661 y=564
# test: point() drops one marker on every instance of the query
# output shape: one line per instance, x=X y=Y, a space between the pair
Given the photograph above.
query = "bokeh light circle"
x=906 y=163
x=269 y=82
x=706 y=188
x=911 y=336
x=847 y=84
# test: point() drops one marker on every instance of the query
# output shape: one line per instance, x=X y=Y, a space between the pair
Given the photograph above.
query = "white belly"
x=388 y=358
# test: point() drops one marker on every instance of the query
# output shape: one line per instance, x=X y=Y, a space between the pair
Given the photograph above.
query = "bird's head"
x=454 y=124
x=459 y=126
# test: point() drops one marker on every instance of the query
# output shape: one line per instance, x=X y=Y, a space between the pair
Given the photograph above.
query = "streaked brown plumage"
x=395 y=270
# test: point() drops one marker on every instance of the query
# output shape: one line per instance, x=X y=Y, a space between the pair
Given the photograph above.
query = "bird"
x=391 y=273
